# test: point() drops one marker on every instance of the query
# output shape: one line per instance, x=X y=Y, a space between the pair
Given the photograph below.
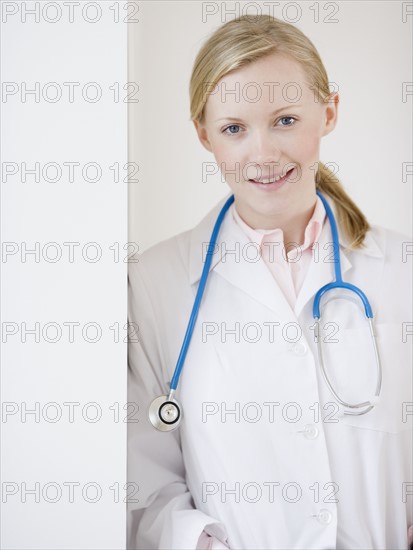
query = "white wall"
x=43 y=459
x=366 y=52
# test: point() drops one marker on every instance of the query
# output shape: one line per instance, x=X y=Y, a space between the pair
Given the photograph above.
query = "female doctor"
x=271 y=451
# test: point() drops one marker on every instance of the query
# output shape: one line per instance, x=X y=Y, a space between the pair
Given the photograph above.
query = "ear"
x=331 y=113
x=202 y=135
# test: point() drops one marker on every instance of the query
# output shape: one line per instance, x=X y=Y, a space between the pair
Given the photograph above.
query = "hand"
x=208 y=542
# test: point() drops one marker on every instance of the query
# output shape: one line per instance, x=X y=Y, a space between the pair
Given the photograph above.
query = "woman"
x=265 y=456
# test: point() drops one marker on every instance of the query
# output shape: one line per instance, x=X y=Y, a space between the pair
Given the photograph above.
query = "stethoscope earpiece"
x=164 y=413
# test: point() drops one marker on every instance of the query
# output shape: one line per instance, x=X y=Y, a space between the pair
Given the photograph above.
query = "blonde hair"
x=246 y=39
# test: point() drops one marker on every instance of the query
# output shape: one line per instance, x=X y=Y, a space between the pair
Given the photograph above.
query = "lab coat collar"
x=254 y=277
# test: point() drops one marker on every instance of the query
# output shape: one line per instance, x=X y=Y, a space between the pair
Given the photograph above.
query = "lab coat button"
x=311 y=431
x=300 y=348
x=324 y=516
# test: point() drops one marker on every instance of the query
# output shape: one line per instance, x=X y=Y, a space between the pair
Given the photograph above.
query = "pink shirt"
x=288 y=268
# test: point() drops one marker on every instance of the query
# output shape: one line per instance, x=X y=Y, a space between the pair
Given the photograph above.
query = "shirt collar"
x=373 y=245
x=311 y=233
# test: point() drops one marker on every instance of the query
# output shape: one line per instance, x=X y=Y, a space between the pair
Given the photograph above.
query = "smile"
x=269 y=181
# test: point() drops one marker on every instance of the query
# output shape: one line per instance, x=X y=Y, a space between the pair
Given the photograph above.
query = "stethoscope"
x=165 y=412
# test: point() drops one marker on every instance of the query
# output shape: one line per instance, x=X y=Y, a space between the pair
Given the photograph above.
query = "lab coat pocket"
x=351 y=365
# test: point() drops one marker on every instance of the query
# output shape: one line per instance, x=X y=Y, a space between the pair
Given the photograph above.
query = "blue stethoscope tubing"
x=165 y=413
x=338 y=283
x=199 y=294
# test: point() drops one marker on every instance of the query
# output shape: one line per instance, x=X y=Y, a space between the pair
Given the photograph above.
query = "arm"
x=163 y=515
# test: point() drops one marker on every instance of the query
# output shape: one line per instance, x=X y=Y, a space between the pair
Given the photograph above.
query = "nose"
x=265 y=155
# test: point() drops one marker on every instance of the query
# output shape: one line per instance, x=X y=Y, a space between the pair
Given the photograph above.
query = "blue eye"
x=232 y=126
x=287 y=118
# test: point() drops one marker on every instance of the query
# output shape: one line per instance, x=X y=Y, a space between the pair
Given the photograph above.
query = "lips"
x=272 y=180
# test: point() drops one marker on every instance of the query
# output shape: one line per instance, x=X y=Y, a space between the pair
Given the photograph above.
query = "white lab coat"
x=280 y=471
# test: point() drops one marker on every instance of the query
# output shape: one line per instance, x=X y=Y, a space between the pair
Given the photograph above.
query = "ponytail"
x=349 y=217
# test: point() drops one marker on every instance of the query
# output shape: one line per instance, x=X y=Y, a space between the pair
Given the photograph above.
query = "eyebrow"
x=271 y=114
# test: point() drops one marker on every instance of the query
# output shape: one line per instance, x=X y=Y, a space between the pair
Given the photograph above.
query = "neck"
x=294 y=227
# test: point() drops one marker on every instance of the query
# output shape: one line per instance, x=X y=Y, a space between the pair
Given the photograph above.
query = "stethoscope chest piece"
x=165 y=414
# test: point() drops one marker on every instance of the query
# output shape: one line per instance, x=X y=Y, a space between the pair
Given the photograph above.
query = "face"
x=263 y=121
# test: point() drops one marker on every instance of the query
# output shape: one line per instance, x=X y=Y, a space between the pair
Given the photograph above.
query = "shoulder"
x=385 y=257
x=389 y=237
x=158 y=286
x=166 y=260
x=394 y=272
x=396 y=247
x=382 y=268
